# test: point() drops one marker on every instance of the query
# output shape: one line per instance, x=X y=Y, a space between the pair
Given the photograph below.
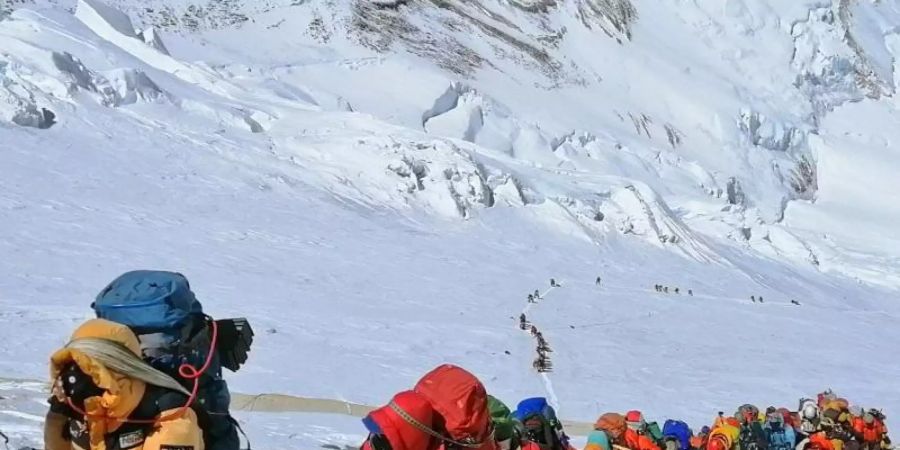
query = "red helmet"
x=634 y=416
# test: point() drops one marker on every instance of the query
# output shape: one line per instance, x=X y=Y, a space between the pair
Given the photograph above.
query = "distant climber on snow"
x=598 y=281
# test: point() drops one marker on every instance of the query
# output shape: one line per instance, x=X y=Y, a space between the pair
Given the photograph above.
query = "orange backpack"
x=461 y=403
x=613 y=424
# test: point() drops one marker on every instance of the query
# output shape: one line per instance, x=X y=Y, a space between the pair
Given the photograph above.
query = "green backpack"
x=504 y=423
x=654 y=432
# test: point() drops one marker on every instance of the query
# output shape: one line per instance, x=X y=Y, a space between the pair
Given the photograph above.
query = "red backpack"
x=460 y=402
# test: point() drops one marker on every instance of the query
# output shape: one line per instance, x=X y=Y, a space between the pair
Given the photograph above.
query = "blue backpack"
x=680 y=431
x=779 y=435
x=169 y=321
x=540 y=424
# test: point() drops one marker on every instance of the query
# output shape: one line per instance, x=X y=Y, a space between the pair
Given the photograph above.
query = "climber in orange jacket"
x=870 y=430
x=636 y=435
x=105 y=397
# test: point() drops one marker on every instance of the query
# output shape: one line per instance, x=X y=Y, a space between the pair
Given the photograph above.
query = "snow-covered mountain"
x=378 y=185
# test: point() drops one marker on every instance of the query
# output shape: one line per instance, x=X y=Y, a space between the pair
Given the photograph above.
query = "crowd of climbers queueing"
x=449 y=409
x=828 y=423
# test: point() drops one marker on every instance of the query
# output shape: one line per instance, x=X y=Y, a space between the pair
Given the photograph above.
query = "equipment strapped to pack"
x=427 y=430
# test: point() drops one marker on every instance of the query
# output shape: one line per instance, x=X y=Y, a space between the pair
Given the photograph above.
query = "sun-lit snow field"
x=375 y=214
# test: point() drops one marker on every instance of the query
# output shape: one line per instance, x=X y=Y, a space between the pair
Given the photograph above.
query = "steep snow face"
x=384 y=182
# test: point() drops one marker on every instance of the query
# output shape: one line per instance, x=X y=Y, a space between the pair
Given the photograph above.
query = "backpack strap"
x=427 y=430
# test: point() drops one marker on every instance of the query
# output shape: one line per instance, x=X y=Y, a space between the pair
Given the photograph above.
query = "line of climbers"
x=665 y=290
x=827 y=424
x=542 y=362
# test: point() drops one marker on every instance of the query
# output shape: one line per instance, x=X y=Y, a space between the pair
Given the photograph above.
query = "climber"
x=636 y=434
x=780 y=435
x=447 y=408
x=752 y=435
x=530 y=298
x=598 y=281
x=870 y=431
x=105 y=397
x=809 y=418
x=691 y=292
x=724 y=434
x=608 y=431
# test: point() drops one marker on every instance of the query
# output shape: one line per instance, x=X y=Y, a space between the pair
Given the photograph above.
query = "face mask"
x=77 y=385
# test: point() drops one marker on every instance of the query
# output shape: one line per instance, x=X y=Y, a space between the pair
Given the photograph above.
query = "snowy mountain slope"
x=753 y=79
x=378 y=213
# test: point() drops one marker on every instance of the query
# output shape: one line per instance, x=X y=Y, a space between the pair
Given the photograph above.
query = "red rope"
x=186 y=371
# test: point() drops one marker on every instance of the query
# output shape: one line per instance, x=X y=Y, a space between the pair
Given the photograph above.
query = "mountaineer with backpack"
x=541 y=429
x=779 y=434
x=676 y=435
x=609 y=432
x=809 y=418
x=638 y=436
x=752 y=436
x=870 y=430
x=448 y=408
x=105 y=397
x=724 y=434
x=819 y=440
x=168 y=320
x=841 y=434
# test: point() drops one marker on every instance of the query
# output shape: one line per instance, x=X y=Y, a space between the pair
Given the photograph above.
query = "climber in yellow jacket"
x=724 y=434
x=105 y=397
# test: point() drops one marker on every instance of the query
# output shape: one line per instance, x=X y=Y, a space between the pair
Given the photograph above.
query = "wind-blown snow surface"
x=377 y=207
